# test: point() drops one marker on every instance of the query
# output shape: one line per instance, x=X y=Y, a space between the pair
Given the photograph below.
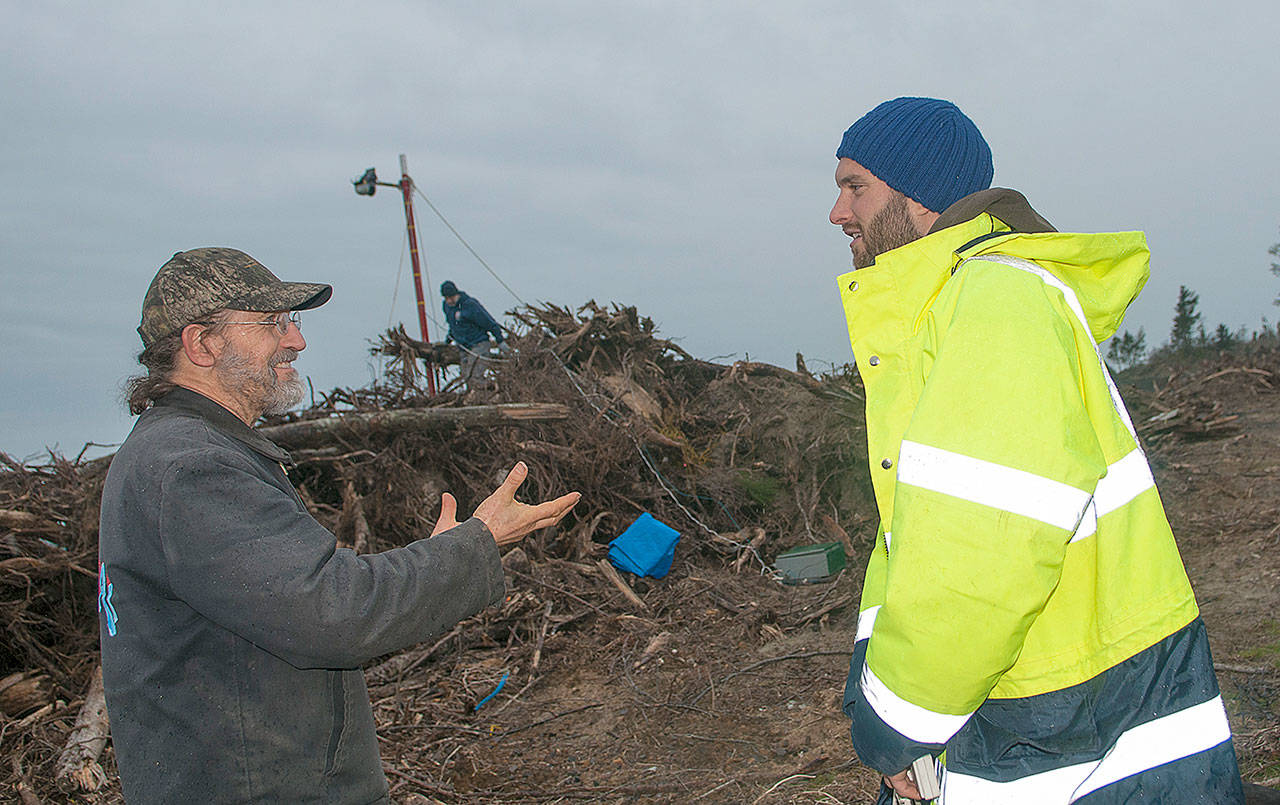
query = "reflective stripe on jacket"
x=1023 y=548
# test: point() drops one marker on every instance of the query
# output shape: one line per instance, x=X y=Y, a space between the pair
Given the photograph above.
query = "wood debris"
x=767 y=457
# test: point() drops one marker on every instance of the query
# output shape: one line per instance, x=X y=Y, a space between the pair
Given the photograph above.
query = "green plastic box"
x=807 y=564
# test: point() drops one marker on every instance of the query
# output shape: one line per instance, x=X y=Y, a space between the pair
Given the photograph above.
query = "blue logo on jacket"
x=105 y=590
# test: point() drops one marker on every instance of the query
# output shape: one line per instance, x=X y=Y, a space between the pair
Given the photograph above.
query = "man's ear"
x=922 y=216
x=196 y=347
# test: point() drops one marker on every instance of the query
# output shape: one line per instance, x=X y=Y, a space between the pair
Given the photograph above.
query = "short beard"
x=262 y=389
x=890 y=228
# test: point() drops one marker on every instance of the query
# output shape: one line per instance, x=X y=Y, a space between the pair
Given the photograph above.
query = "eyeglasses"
x=281 y=322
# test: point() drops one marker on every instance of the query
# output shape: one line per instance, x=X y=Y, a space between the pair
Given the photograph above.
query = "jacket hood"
x=1008 y=205
x=1106 y=270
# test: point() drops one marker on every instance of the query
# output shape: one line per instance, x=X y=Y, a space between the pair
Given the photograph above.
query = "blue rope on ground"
x=486 y=699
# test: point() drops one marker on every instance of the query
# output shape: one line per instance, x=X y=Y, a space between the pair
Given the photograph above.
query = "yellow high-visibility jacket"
x=1024 y=566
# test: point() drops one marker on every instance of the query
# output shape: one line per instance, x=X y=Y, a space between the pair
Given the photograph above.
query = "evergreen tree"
x=1127 y=350
x=1274 y=251
x=1186 y=317
x=1223 y=338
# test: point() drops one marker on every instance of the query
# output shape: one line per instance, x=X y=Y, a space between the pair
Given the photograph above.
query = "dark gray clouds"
x=674 y=156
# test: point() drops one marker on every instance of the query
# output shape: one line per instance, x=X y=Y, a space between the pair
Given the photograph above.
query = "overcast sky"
x=673 y=156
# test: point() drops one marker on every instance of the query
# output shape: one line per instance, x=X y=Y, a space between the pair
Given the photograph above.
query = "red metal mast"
x=406 y=187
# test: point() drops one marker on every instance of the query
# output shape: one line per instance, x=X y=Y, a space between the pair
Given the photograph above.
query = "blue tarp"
x=646 y=548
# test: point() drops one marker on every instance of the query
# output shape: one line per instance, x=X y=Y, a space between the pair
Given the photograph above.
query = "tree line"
x=1188 y=336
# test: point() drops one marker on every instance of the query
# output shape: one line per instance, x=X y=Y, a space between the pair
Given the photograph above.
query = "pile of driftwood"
x=742 y=459
x=48 y=589
x=594 y=401
x=1176 y=400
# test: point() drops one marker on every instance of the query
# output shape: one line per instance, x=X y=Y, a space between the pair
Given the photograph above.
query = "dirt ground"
x=1223 y=499
x=721 y=685
x=736 y=701
x=740 y=703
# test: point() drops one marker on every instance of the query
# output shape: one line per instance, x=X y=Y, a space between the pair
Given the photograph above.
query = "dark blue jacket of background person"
x=469 y=322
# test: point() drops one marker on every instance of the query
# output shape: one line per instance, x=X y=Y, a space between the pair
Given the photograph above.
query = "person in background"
x=472 y=328
x=1025 y=608
x=233 y=627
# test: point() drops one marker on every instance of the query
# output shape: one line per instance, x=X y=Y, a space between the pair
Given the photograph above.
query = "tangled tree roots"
x=743 y=459
x=740 y=458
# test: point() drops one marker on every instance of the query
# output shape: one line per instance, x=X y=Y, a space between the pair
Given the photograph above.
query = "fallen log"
x=754 y=369
x=356 y=425
x=78 y=767
x=436 y=352
x=20 y=694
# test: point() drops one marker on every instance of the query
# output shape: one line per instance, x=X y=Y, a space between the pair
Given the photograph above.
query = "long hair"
x=160 y=359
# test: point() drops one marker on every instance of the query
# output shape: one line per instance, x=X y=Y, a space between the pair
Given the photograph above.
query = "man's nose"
x=293 y=338
x=841 y=211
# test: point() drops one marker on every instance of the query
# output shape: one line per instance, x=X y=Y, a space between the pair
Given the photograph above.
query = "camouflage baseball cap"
x=196 y=283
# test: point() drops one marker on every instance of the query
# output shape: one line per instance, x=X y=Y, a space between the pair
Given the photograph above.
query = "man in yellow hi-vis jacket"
x=1025 y=608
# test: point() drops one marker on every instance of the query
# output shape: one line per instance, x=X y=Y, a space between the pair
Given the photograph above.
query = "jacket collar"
x=225 y=422
x=889 y=296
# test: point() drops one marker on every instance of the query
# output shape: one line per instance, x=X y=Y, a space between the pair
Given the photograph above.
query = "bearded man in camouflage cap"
x=188 y=300
x=232 y=625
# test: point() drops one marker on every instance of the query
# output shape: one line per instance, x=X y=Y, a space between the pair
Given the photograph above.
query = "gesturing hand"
x=508 y=519
x=448 y=514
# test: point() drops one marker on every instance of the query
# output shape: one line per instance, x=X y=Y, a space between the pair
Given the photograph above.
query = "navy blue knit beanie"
x=924 y=148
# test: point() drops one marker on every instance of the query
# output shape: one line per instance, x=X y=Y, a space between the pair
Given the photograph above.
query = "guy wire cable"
x=766 y=568
x=395 y=294
x=464 y=242
x=644 y=458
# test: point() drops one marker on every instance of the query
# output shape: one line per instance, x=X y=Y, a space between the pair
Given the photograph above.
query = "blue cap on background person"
x=925 y=148
x=447 y=288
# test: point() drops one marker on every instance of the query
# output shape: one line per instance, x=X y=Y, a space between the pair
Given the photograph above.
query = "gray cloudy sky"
x=675 y=156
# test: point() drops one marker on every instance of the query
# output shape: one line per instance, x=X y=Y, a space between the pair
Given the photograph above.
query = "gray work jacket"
x=233 y=627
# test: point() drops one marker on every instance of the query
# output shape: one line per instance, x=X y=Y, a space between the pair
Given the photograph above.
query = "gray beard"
x=261 y=388
x=890 y=228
